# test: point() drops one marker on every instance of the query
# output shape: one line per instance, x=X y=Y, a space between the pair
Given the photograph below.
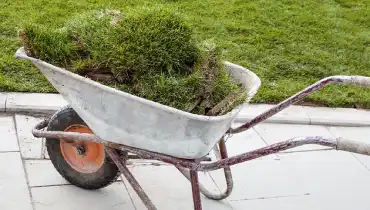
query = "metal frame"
x=190 y=168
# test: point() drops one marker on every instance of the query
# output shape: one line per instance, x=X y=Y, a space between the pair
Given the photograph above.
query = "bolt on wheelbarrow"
x=90 y=140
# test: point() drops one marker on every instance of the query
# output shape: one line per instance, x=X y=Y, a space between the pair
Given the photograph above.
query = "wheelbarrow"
x=90 y=140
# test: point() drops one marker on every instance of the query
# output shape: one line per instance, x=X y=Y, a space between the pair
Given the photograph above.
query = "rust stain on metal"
x=194 y=180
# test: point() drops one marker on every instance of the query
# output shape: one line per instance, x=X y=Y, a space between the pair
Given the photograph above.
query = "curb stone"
x=309 y=115
x=40 y=103
x=33 y=103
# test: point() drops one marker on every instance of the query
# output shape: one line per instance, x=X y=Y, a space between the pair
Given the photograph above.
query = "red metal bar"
x=350 y=80
x=271 y=149
x=268 y=150
x=206 y=159
x=194 y=180
x=131 y=179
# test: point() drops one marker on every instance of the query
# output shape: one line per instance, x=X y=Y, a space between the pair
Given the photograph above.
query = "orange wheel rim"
x=83 y=156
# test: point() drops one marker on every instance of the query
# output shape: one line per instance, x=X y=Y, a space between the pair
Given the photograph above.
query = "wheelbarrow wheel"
x=84 y=164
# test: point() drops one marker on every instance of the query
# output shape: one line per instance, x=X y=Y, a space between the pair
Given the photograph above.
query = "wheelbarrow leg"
x=195 y=190
x=220 y=154
x=131 y=179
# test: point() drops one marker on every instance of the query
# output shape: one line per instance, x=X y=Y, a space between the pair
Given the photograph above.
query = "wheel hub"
x=83 y=156
x=80 y=150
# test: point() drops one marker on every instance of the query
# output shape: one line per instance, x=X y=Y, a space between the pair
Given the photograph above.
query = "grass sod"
x=149 y=53
x=289 y=44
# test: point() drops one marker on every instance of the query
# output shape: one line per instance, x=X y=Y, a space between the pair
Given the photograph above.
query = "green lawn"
x=289 y=44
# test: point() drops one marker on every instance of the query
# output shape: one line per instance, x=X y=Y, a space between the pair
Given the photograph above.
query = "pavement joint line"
x=2 y=152
x=260 y=136
x=36 y=159
x=6 y=101
x=129 y=195
x=219 y=189
x=50 y=185
x=60 y=185
x=24 y=165
x=354 y=155
x=214 y=181
x=43 y=147
x=226 y=200
x=271 y=197
x=309 y=120
x=275 y=154
x=363 y=164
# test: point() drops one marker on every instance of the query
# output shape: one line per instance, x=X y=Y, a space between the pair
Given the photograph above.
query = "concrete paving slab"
x=8 y=141
x=169 y=189
x=34 y=102
x=30 y=146
x=300 y=173
x=293 y=202
x=292 y=114
x=113 y=197
x=355 y=134
x=244 y=142
x=255 y=179
x=49 y=175
x=43 y=173
x=14 y=192
x=339 y=201
x=44 y=151
x=327 y=172
x=274 y=133
x=3 y=98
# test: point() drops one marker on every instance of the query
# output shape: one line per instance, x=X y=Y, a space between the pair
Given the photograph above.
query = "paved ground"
x=305 y=178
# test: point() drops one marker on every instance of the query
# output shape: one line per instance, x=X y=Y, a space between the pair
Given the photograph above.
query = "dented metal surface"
x=345 y=80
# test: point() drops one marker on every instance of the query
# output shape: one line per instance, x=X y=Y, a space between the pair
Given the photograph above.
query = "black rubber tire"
x=104 y=176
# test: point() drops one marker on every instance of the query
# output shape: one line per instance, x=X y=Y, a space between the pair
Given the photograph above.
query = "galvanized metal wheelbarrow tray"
x=123 y=122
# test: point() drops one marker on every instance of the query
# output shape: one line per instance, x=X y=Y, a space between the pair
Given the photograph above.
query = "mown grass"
x=289 y=44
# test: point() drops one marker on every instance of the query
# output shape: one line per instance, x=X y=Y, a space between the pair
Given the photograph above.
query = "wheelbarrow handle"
x=353 y=146
x=22 y=55
x=347 y=80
